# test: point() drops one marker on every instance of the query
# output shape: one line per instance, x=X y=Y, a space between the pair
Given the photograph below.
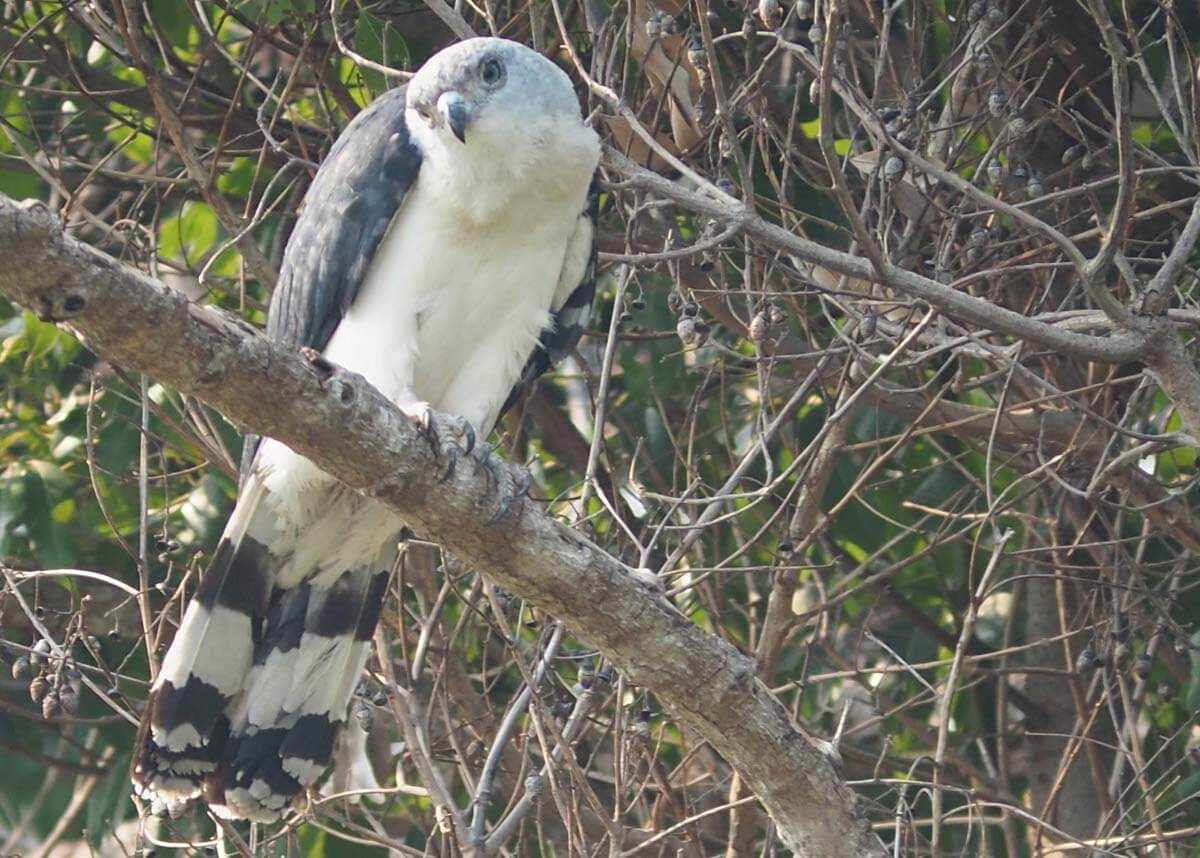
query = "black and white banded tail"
x=248 y=704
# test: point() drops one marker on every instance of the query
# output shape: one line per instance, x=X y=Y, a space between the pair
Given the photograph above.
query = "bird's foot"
x=511 y=481
x=447 y=434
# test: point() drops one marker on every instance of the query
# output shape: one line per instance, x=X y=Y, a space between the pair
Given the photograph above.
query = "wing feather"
x=572 y=302
x=347 y=211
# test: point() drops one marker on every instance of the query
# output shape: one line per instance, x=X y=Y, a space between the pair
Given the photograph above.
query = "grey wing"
x=572 y=302
x=348 y=208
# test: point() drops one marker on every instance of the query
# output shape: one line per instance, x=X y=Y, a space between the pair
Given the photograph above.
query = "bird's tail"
x=285 y=726
x=247 y=706
x=182 y=738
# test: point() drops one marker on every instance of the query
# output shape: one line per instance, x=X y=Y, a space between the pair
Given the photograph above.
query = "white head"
x=497 y=110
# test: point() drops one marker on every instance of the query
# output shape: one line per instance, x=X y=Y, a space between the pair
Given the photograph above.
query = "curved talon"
x=451 y=462
x=510 y=488
x=484 y=459
x=448 y=436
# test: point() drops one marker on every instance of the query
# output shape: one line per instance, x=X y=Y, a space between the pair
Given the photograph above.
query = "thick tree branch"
x=353 y=432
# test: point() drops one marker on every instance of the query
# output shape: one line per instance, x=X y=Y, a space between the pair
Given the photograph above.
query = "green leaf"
x=190 y=235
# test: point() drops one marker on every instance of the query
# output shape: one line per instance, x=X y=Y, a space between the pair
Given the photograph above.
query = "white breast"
x=450 y=309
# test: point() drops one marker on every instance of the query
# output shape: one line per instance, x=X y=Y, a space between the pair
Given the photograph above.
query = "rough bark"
x=349 y=429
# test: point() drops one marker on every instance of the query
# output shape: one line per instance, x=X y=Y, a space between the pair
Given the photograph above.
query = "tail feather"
x=183 y=732
x=251 y=697
x=285 y=729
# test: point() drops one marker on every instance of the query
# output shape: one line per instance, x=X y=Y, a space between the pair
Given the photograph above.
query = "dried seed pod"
x=1143 y=664
x=893 y=168
x=870 y=321
x=776 y=314
x=770 y=12
x=759 y=327
x=41 y=649
x=995 y=171
x=640 y=728
x=814 y=90
x=669 y=27
x=749 y=28
x=50 y=707
x=1033 y=188
x=697 y=56
x=1166 y=692
x=654 y=26
x=535 y=785
x=1017 y=127
x=1073 y=153
x=1086 y=660
x=978 y=237
x=997 y=100
x=22 y=668
x=68 y=701
x=977 y=10
x=1121 y=653
x=995 y=15
x=685 y=329
x=689 y=309
x=804 y=9
x=1088 y=162
x=816 y=35
x=38 y=689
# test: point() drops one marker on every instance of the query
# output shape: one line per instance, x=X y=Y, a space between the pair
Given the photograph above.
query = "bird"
x=445 y=252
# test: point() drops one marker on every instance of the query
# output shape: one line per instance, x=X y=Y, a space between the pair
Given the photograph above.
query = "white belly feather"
x=449 y=311
x=448 y=314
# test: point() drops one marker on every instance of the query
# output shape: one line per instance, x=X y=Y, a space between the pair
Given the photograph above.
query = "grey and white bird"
x=446 y=253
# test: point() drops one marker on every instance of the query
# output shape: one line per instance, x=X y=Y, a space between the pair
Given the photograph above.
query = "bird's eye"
x=491 y=72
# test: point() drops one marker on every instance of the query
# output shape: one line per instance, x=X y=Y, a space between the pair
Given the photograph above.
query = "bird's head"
x=490 y=89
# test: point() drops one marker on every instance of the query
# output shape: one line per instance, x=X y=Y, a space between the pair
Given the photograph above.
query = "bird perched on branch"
x=446 y=253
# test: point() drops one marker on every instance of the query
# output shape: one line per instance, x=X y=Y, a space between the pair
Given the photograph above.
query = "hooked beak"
x=456 y=113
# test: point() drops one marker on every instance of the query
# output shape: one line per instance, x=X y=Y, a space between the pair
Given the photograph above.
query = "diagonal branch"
x=350 y=430
x=1119 y=348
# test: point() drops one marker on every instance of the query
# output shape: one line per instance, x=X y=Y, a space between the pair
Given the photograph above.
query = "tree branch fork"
x=354 y=433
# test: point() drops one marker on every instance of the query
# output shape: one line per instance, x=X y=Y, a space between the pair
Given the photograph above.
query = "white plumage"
x=442 y=240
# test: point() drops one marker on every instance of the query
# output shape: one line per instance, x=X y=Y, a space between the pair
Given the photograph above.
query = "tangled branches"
x=891 y=388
